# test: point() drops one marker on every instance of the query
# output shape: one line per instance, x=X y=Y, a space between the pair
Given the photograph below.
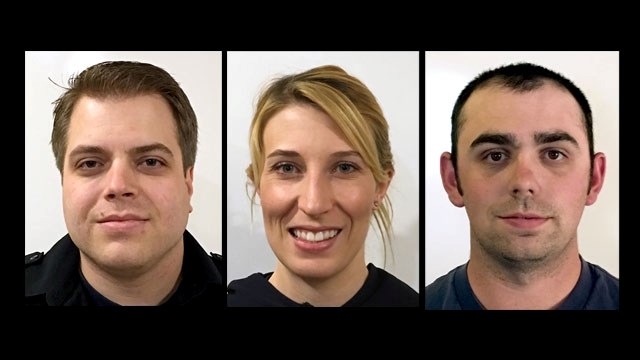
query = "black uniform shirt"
x=380 y=289
x=55 y=278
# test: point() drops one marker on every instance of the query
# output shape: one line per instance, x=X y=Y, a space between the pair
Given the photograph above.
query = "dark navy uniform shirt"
x=380 y=289
x=596 y=290
x=55 y=278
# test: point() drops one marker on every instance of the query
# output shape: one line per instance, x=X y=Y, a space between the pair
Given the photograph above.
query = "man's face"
x=125 y=195
x=523 y=168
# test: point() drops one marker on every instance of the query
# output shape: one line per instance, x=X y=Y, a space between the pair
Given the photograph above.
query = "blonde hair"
x=352 y=107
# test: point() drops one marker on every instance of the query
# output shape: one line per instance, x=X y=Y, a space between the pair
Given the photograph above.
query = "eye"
x=284 y=168
x=287 y=168
x=555 y=155
x=89 y=164
x=152 y=162
x=346 y=168
x=496 y=157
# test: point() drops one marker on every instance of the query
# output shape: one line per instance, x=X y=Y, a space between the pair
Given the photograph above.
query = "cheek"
x=78 y=199
x=276 y=199
x=167 y=195
x=357 y=201
x=571 y=196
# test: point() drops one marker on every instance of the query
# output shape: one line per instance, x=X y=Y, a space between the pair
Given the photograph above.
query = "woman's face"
x=317 y=194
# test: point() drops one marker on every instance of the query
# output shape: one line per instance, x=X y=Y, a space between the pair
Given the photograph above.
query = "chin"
x=313 y=270
x=120 y=258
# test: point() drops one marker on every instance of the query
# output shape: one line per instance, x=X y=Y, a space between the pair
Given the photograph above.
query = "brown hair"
x=125 y=79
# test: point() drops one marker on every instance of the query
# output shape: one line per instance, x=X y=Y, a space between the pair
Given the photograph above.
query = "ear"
x=597 y=178
x=188 y=179
x=449 y=181
x=382 y=188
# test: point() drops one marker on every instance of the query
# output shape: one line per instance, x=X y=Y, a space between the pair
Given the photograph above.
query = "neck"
x=502 y=286
x=151 y=284
x=332 y=291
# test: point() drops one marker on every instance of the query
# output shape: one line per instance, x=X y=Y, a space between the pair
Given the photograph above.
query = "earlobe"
x=597 y=178
x=449 y=180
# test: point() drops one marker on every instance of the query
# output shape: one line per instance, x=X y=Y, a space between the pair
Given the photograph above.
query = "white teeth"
x=311 y=236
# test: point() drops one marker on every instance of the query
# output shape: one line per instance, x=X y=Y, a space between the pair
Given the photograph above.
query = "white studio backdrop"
x=447 y=73
x=199 y=75
x=393 y=77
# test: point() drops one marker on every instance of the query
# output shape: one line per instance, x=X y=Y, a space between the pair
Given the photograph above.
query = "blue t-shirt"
x=596 y=290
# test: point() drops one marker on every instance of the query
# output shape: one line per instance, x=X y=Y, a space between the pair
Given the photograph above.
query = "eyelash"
x=278 y=167
x=83 y=164
x=353 y=167
x=489 y=154
x=159 y=163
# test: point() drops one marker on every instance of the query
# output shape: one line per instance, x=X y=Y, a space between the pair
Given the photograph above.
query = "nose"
x=524 y=177
x=121 y=181
x=316 y=194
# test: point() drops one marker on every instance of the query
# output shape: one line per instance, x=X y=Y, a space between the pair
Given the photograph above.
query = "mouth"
x=314 y=236
x=524 y=216
x=121 y=218
x=524 y=221
x=122 y=223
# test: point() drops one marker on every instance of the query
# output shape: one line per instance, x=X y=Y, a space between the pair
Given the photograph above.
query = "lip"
x=122 y=223
x=121 y=217
x=314 y=246
x=524 y=220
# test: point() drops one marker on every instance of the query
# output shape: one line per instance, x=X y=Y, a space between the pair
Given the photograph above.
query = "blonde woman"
x=321 y=164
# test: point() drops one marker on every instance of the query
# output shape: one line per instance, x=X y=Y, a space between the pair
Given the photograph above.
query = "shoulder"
x=444 y=282
x=218 y=261
x=34 y=265
x=36 y=279
x=603 y=275
x=34 y=258
x=605 y=293
x=255 y=290
x=253 y=281
x=55 y=271
x=385 y=289
x=441 y=291
x=63 y=254
x=391 y=281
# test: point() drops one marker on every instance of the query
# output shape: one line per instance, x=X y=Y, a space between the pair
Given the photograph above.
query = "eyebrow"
x=510 y=140
x=98 y=150
x=291 y=153
x=150 y=148
x=498 y=139
x=550 y=137
x=341 y=154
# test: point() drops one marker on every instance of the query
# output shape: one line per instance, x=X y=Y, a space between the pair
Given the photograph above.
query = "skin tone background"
x=199 y=75
x=446 y=226
x=393 y=79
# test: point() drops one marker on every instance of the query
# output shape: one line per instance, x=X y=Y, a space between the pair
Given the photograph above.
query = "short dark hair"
x=520 y=77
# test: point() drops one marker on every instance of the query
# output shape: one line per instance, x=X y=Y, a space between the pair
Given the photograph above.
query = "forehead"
x=129 y=120
x=302 y=125
x=495 y=109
